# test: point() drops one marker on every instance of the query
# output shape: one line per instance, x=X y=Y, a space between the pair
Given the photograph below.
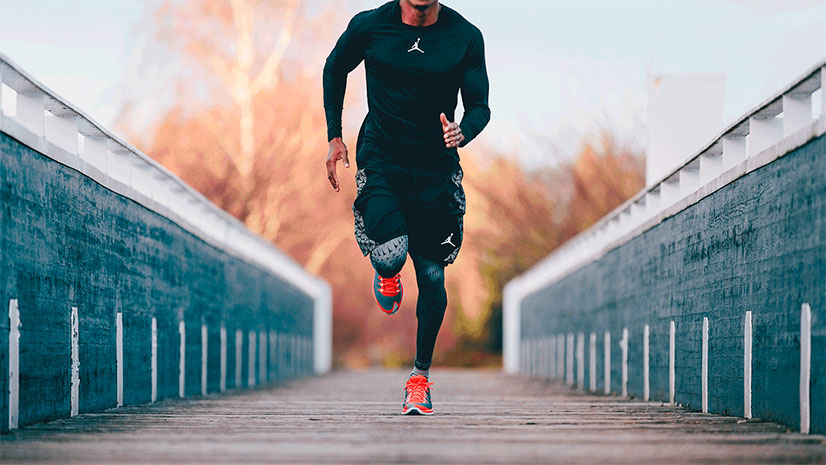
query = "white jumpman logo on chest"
x=416 y=46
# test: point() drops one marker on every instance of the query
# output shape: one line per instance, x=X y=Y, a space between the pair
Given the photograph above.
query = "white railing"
x=777 y=126
x=36 y=116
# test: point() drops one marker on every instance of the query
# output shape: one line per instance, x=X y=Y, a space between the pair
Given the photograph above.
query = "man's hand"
x=453 y=133
x=338 y=151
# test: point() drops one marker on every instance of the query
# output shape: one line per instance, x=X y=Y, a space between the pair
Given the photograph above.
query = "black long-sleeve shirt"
x=413 y=75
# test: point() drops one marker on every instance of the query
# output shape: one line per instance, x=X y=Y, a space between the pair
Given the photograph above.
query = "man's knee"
x=434 y=298
x=431 y=282
x=388 y=258
x=433 y=301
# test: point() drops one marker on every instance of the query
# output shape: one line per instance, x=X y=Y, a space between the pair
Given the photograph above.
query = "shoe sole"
x=416 y=411
x=392 y=312
x=396 y=307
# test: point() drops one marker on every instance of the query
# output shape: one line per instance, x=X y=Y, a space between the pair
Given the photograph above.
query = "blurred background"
x=227 y=94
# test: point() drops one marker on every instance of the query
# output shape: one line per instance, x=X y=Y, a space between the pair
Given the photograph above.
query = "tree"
x=254 y=143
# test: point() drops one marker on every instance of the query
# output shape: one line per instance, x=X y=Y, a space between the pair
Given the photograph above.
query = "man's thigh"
x=436 y=226
x=378 y=211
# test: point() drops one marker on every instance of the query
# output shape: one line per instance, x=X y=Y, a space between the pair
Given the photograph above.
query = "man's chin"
x=421 y=5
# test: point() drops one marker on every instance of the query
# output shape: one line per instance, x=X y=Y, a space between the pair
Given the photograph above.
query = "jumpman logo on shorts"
x=448 y=240
x=416 y=46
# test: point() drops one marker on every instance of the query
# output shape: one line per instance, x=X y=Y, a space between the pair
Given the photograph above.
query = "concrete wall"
x=122 y=284
x=758 y=244
x=66 y=241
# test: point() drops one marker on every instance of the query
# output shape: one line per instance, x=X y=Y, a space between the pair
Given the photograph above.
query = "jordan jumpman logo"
x=416 y=46
x=448 y=240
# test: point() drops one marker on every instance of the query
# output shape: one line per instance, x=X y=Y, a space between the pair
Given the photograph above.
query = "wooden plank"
x=353 y=417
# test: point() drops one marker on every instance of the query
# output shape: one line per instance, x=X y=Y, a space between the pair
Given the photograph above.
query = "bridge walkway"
x=352 y=417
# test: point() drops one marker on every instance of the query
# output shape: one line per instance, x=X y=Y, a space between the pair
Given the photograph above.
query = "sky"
x=560 y=71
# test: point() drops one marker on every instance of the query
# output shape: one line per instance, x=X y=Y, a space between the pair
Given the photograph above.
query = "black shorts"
x=428 y=209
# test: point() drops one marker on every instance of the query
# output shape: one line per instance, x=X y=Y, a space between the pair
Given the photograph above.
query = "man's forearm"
x=333 y=123
x=473 y=121
x=335 y=84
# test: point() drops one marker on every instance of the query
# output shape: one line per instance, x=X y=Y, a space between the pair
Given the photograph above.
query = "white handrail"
x=54 y=127
x=768 y=131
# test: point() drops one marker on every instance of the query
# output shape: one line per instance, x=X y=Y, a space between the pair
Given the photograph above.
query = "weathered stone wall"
x=66 y=241
x=757 y=244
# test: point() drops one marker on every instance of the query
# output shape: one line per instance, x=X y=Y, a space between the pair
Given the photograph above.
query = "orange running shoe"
x=417 y=396
x=388 y=293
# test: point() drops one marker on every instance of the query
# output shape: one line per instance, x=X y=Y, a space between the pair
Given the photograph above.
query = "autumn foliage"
x=254 y=143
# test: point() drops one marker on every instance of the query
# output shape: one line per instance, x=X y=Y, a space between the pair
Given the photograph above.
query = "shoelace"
x=417 y=389
x=389 y=287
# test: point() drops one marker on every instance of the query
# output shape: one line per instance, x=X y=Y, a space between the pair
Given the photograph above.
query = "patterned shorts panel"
x=433 y=212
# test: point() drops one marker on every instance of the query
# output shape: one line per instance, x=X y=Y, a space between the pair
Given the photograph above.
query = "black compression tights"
x=388 y=259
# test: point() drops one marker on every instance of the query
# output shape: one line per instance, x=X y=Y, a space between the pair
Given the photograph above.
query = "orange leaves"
x=256 y=144
x=602 y=177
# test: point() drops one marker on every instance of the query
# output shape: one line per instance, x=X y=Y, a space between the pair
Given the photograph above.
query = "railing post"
x=222 y=380
x=645 y=364
x=569 y=359
x=652 y=203
x=580 y=360
x=704 y=367
x=14 y=364
x=60 y=129
x=30 y=113
x=529 y=357
x=510 y=328
x=805 y=367
x=711 y=163
x=606 y=362
x=669 y=191
x=181 y=358
x=204 y=357
x=119 y=357
x=592 y=362
x=153 y=359
x=549 y=359
x=551 y=349
x=637 y=213
x=272 y=337
x=118 y=167
x=624 y=347
x=94 y=153
x=544 y=372
x=74 y=367
x=252 y=346
x=747 y=364
x=797 y=112
x=560 y=356
x=734 y=146
x=689 y=178
x=672 y=334
x=823 y=91
x=765 y=128
x=239 y=358
x=263 y=355
x=142 y=178
x=625 y=223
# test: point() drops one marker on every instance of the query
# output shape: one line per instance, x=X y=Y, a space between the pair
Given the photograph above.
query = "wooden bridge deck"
x=352 y=417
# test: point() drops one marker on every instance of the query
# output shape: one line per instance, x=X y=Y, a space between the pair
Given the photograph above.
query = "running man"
x=418 y=55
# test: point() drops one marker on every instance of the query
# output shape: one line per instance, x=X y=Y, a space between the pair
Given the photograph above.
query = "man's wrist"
x=464 y=134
